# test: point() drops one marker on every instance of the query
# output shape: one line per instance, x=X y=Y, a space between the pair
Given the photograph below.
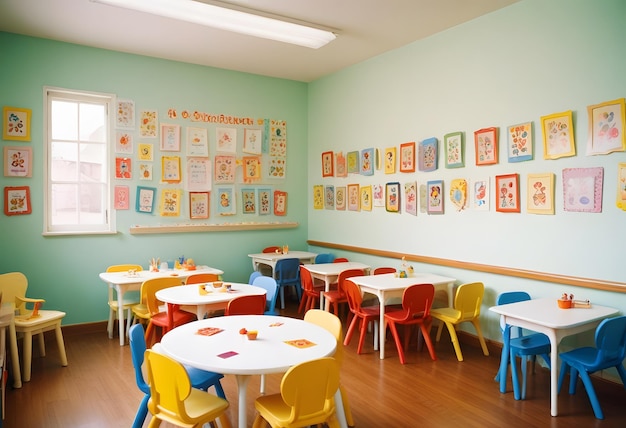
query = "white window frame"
x=108 y=226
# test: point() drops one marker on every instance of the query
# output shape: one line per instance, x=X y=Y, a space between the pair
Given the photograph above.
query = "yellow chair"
x=159 y=316
x=173 y=400
x=31 y=322
x=466 y=308
x=331 y=323
x=201 y=278
x=306 y=397
x=129 y=299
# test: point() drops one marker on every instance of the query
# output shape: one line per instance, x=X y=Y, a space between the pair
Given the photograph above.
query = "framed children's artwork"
x=486 y=146
x=252 y=141
x=621 y=186
x=170 y=202
x=407 y=157
x=251 y=168
x=390 y=160
x=329 y=197
x=378 y=193
x=123 y=142
x=354 y=198
x=225 y=168
x=226 y=201
x=145 y=171
x=198 y=175
x=507 y=193
x=434 y=197
x=277 y=167
x=318 y=197
x=18 y=161
x=121 y=197
x=540 y=196
x=480 y=194
x=197 y=142
x=199 y=204
x=367 y=162
x=558 y=135
x=226 y=140
x=16 y=123
x=146 y=152
x=145 y=199
x=607 y=122
x=125 y=114
x=458 y=193
x=428 y=154
x=170 y=138
x=410 y=198
x=148 y=122
x=280 y=202
x=422 y=196
x=582 y=189
x=265 y=201
x=366 y=198
x=341 y=169
x=520 y=143
x=328 y=164
x=392 y=197
x=353 y=162
x=17 y=200
x=123 y=168
x=340 y=198
x=248 y=200
x=170 y=169
x=454 y=147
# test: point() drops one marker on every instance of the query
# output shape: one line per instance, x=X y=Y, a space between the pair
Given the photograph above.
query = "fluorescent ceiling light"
x=230 y=20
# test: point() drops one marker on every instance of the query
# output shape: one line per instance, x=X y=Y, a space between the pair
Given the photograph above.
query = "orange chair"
x=271 y=249
x=167 y=319
x=335 y=297
x=341 y=260
x=416 y=302
x=366 y=314
x=383 y=270
x=201 y=278
x=310 y=292
x=246 y=305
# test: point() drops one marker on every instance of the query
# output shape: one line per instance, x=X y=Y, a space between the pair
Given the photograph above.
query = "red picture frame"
x=486 y=146
x=280 y=202
x=328 y=168
x=407 y=157
x=17 y=200
x=507 y=193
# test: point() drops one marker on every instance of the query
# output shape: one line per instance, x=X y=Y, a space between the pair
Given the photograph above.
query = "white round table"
x=230 y=352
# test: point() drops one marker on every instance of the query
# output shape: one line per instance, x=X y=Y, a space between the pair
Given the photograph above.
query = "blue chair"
x=520 y=346
x=254 y=275
x=324 y=258
x=287 y=273
x=610 y=351
x=271 y=287
x=200 y=379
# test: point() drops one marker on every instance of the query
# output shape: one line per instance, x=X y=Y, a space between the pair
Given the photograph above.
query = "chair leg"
x=28 y=355
x=481 y=339
x=591 y=393
x=514 y=378
x=350 y=332
x=429 y=343
x=524 y=374
x=396 y=338
x=42 y=344
x=142 y=412
x=346 y=406
x=455 y=341
x=61 y=344
x=362 y=336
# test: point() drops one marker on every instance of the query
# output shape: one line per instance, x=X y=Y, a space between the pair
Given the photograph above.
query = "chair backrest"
x=306 y=279
x=12 y=285
x=137 y=343
x=287 y=271
x=468 y=299
x=201 y=278
x=347 y=274
x=124 y=268
x=384 y=269
x=271 y=249
x=254 y=275
x=308 y=388
x=169 y=386
x=417 y=300
x=341 y=260
x=331 y=323
x=324 y=258
x=269 y=285
x=246 y=305
x=354 y=296
x=511 y=297
x=151 y=286
x=611 y=342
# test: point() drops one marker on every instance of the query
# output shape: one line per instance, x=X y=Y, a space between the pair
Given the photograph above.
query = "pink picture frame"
x=328 y=169
x=582 y=189
x=354 y=198
x=121 y=197
x=486 y=146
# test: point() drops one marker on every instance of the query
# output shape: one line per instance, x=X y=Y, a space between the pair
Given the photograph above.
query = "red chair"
x=271 y=249
x=341 y=260
x=247 y=305
x=310 y=292
x=383 y=270
x=165 y=320
x=335 y=297
x=416 y=302
x=364 y=314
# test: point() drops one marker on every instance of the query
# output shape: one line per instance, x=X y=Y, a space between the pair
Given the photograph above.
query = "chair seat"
x=531 y=345
x=45 y=318
x=179 y=317
x=126 y=303
x=446 y=314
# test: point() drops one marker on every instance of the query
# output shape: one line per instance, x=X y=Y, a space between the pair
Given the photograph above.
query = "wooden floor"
x=98 y=389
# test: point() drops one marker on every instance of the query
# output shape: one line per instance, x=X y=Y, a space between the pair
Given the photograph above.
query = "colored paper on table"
x=276 y=324
x=227 y=354
x=209 y=331
x=300 y=343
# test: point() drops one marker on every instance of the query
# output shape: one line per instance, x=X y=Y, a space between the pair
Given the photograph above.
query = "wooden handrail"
x=598 y=284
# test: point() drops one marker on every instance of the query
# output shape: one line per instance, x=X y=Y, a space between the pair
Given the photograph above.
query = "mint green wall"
x=64 y=270
x=515 y=65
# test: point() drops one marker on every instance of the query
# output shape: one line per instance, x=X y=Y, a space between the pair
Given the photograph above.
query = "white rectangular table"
x=544 y=316
x=122 y=282
x=388 y=285
x=329 y=272
x=271 y=259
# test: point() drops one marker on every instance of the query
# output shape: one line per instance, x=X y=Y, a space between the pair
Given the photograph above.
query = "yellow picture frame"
x=16 y=123
x=607 y=124
x=540 y=196
x=558 y=135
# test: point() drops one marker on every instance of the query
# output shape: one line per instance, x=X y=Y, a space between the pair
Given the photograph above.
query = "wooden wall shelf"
x=224 y=227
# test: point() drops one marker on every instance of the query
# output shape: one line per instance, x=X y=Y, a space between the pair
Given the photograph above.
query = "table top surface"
x=190 y=294
x=334 y=268
x=230 y=352
x=389 y=281
x=122 y=278
x=278 y=256
x=545 y=312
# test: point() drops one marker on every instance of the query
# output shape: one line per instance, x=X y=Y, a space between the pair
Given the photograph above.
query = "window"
x=78 y=197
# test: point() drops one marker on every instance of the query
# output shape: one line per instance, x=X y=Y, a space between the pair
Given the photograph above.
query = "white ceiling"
x=365 y=28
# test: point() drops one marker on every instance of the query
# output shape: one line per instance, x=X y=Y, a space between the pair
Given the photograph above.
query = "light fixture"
x=230 y=20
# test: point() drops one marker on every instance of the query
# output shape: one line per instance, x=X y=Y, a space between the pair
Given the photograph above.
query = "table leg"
x=382 y=331
x=120 y=315
x=554 y=372
x=340 y=410
x=242 y=386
